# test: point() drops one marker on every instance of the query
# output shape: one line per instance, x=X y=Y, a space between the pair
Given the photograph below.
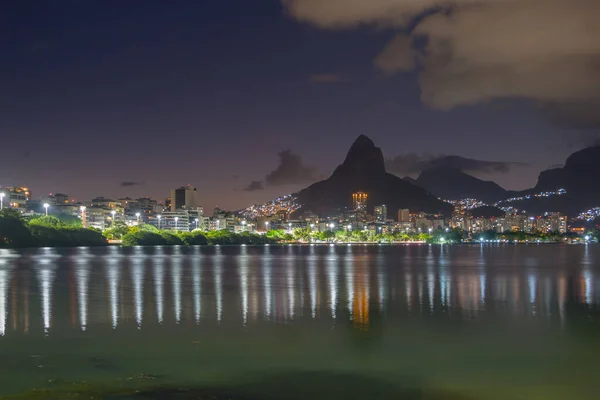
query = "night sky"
x=133 y=98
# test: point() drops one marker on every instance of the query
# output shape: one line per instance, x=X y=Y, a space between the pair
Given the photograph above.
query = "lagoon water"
x=290 y=322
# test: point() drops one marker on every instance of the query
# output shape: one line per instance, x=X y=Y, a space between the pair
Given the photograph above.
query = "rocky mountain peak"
x=364 y=158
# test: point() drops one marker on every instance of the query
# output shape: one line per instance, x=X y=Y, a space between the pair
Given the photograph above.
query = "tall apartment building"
x=184 y=198
x=381 y=213
x=359 y=201
x=404 y=215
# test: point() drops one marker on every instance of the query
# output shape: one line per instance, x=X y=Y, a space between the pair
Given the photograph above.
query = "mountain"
x=579 y=177
x=453 y=184
x=364 y=170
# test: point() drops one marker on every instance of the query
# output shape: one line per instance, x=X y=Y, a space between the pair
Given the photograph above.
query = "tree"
x=143 y=238
x=117 y=230
x=47 y=220
x=194 y=238
x=171 y=239
x=13 y=232
x=302 y=234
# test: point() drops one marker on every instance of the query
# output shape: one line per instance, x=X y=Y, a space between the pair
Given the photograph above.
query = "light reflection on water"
x=356 y=280
x=54 y=294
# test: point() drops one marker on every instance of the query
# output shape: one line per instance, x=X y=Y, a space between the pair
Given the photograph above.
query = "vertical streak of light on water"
x=332 y=276
x=587 y=278
x=218 y=277
x=197 y=282
x=46 y=276
x=587 y=275
x=430 y=277
x=112 y=276
x=349 y=271
x=266 y=275
x=548 y=295
x=137 y=278
x=5 y=276
x=176 y=285
x=382 y=290
x=312 y=285
x=158 y=274
x=482 y=283
x=562 y=298
x=532 y=281
x=82 y=275
x=291 y=282
x=243 y=272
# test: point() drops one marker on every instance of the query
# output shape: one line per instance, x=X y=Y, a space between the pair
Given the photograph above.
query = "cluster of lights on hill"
x=589 y=215
x=504 y=205
x=289 y=203
x=284 y=204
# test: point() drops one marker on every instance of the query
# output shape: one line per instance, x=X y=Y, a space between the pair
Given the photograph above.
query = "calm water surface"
x=463 y=322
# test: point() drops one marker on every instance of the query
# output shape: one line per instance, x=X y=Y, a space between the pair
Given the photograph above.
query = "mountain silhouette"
x=578 y=177
x=453 y=184
x=364 y=170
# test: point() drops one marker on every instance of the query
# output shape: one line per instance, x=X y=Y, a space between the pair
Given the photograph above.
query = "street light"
x=332 y=225
x=158 y=217
x=176 y=219
x=46 y=205
x=312 y=226
x=267 y=225
x=196 y=223
x=1 y=200
x=83 y=221
x=137 y=217
x=349 y=227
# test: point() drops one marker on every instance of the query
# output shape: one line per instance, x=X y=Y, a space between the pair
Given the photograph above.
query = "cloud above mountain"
x=291 y=170
x=473 y=51
x=413 y=163
x=254 y=186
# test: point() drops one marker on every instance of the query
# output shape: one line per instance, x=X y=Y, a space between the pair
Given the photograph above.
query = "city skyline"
x=245 y=100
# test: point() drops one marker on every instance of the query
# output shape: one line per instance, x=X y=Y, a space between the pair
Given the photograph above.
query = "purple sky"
x=163 y=94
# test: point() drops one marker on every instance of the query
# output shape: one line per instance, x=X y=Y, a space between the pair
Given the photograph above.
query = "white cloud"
x=547 y=51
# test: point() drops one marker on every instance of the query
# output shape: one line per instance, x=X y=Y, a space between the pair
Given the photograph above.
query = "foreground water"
x=444 y=322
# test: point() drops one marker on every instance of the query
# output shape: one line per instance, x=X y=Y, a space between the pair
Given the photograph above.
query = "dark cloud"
x=410 y=164
x=291 y=171
x=327 y=78
x=131 y=183
x=254 y=186
x=473 y=51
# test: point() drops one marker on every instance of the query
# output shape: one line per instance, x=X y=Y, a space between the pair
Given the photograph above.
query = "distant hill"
x=453 y=184
x=364 y=170
x=580 y=177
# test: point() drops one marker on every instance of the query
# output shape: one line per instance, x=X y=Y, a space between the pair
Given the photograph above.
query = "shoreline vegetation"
x=51 y=231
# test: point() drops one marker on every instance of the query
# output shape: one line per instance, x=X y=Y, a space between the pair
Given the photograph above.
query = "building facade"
x=359 y=201
x=184 y=198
